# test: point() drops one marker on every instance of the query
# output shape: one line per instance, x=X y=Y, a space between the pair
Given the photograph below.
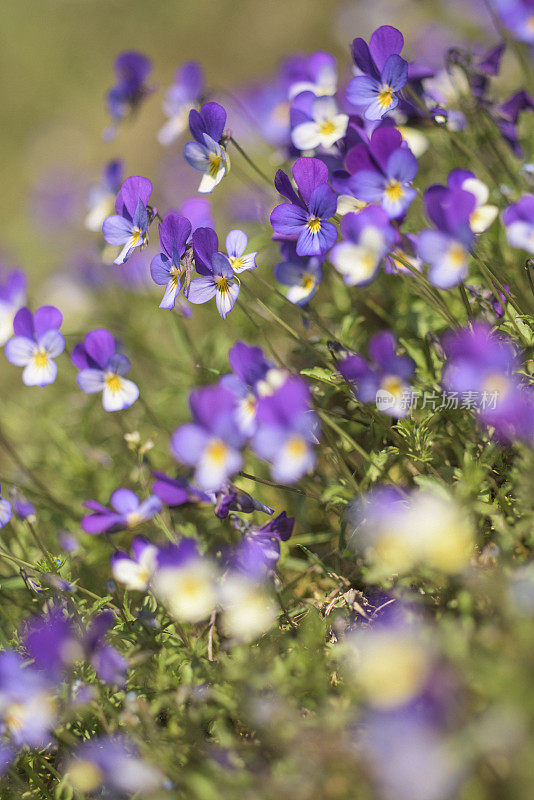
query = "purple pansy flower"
x=185 y=581
x=316 y=122
x=236 y=244
x=217 y=276
x=6 y=512
x=305 y=218
x=446 y=249
x=301 y=274
x=386 y=380
x=128 y=227
x=483 y=366
x=212 y=442
x=263 y=544
x=519 y=221
x=28 y=710
x=287 y=431
x=166 y=268
x=484 y=213
x=367 y=237
x=101 y=197
x=36 y=343
x=180 y=98
x=135 y=570
x=206 y=154
x=126 y=511
x=384 y=72
x=386 y=178
x=316 y=73
x=102 y=369
x=132 y=70
x=12 y=297
x=113 y=762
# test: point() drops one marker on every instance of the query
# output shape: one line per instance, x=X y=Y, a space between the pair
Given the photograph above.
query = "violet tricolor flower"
x=287 y=431
x=316 y=73
x=484 y=214
x=185 y=581
x=132 y=70
x=384 y=72
x=36 y=343
x=212 y=442
x=135 y=570
x=12 y=297
x=263 y=544
x=446 y=249
x=301 y=274
x=386 y=380
x=28 y=710
x=126 y=511
x=166 y=268
x=112 y=762
x=128 y=227
x=316 y=122
x=6 y=512
x=519 y=221
x=206 y=154
x=102 y=369
x=217 y=276
x=236 y=244
x=367 y=237
x=483 y=366
x=180 y=98
x=305 y=218
x=387 y=170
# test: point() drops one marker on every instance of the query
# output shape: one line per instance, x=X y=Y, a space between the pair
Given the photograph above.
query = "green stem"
x=251 y=163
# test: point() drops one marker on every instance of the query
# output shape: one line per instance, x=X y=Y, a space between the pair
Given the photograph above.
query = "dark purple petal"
x=23 y=323
x=284 y=187
x=174 y=232
x=134 y=189
x=363 y=59
x=205 y=244
x=385 y=42
x=46 y=318
x=395 y=73
x=288 y=220
x=323 y=202
x=308 y=174
x=99 y=523
x=100 y=345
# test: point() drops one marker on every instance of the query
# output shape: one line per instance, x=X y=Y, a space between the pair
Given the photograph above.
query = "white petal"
x=20 y=350
x=173 y=128
x=479 y=189
x=347 y=203
x=122 y=397
x=416 y=141
x=133 y=575
x=482 y=217
x=357 y=263
x=521 y=234
x=306 y=136
x=98 y=213
x=39 y=374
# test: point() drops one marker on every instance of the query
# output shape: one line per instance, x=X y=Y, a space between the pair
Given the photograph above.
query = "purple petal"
x=119 y=364
x=53 y=342
x=116 y=230
x=170 y=492
x=368 y=186
x=402 y=165
x=284 y=187
x=395 y=73
x=134 y=189
x=124 y=501
x=90 y=381
x=314 y=244
x=47 y=318
x=188 y=443
x=362 y=90
x=23 y=323
x=205 y=244
x=174 y=232
x=363 y=59
x=288 y=220
x=99 y=523
x=384 y=42
x=308 y=174
x=201 y=290
x=100 y=345
x=160 y=269
x=323 y=202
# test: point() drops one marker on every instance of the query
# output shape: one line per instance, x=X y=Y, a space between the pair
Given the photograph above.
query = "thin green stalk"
x=251 y=163
x=282 y=486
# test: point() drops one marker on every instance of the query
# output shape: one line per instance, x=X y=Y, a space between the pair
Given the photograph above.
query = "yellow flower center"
x=385 y=96
x=393 y=385
x=175 y=276
x=113 y=382
x=85 y=776
x=236 y=263
x=133 y=519
x=314 y=224
x=308 y=282
x=137 y=234
x=497 y=384
x=221 y=283
x=327 y=127
x=40 y=358
x=216 y=452
x=394 y=191
x=296 y=447
x=214 y=164
x=13 y=716
x=456 y=255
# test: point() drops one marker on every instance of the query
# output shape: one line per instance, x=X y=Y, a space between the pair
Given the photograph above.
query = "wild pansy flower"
x=301 y=274
x=482 y=365
x=185 y=581
x=386 y=380
x=447 y=249
x=101 y=197
x=316 y=73
x=36 y=343
x=387 y=177
x=12 y=297
x=397 y=533
x=127 y=511
x=265 y=540
x=128 y=227
x=252 y=376
x=135 y=570
x=519 y=222
x=236 y=244
x=217 y=276
x=246 y=598
x=102 y=369
x=484 y=214
x=287 y=431
x=305 y=218
x=367 y=237
x=206 y=154
x=28 y=709
x=166 y=268
x=112 y=762
x=316 y=122
x=384 y=72
x=6 y=512
x=213 y=441
x=180 y=98
x=132 y=70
